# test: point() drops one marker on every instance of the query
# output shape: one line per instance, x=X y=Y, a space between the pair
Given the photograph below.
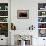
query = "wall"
x=32 y=6
x=23 y=24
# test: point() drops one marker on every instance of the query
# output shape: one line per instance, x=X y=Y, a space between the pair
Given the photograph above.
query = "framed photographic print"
x=22 y=14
